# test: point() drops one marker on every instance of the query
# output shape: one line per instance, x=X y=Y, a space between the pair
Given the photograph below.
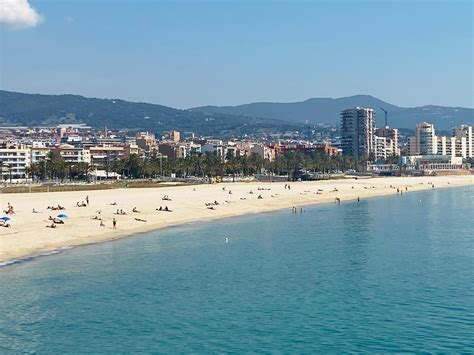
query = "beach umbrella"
x=62 y=215
x=5 y=219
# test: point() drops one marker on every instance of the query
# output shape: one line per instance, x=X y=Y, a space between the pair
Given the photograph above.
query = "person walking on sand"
x=114 y=223
x=87 y=200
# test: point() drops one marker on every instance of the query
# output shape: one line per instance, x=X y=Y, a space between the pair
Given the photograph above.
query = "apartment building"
x=14 y=161
x=358 y=132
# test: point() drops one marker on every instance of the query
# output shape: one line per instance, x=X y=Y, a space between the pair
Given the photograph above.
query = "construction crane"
x=386 y=113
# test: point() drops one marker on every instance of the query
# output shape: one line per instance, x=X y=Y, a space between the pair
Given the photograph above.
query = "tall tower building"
x=358 y=132
x=425 y=139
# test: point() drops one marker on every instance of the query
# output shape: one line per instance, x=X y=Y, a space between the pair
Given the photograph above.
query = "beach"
x=29 y=233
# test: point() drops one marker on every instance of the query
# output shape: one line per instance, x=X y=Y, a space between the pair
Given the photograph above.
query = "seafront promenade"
x=140 y=210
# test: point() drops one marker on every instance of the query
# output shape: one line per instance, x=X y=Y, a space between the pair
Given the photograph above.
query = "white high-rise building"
x=358 y=132
x=424 y=142
x=464 y=141
x=426 y=139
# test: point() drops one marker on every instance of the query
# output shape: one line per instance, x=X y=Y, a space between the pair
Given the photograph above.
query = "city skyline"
x=189 y=54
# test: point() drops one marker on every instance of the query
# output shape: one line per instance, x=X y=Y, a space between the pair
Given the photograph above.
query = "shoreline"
x=28 y=238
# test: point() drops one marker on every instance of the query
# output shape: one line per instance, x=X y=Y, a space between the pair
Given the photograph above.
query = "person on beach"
x=102 y=224
x=87 y=200
x=135 y=210
x=358 y=199
x=338 y=200
x=114 y=223
x=140 y=220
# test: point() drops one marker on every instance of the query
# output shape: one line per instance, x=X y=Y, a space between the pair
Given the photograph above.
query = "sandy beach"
x=29 y=233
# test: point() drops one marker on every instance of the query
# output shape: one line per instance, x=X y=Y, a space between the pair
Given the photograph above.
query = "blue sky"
x=193 y=53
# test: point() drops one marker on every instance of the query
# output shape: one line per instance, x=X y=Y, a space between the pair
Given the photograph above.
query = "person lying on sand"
x=135 y=210
x=5 y=224
x=140 y=220
x=35 y=211
x=260 y=197
x=211 y=208
x=56 y=220
x=166 y=198
x=52 y=225
x=113 y=204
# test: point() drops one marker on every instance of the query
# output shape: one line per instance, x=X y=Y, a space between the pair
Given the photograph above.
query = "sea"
x=388 y=274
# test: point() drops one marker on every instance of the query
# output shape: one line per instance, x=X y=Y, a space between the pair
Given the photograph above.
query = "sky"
x=194 y=53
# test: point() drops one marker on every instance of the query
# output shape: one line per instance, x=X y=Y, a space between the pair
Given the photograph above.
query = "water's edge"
x=55 y=251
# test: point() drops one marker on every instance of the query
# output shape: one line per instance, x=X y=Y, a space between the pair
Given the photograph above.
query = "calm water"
x=388 y=274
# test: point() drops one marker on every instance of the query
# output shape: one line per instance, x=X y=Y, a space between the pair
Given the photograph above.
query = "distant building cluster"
x=20 y=148
x=426 y=142
x=382 y=149
x=425 y=151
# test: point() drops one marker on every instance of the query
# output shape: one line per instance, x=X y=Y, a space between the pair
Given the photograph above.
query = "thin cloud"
x=19 y=14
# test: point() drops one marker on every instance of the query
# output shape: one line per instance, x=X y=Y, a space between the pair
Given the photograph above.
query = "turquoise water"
x=387 y=274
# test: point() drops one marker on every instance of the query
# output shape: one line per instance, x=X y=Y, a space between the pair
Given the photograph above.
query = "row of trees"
x=293 y=164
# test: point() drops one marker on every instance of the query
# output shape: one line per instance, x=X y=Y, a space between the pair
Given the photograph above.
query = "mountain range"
x=21 y=109
x=327 y=110
x=35 y=110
